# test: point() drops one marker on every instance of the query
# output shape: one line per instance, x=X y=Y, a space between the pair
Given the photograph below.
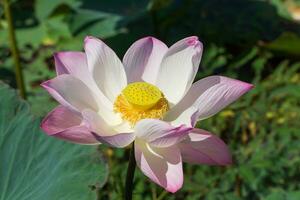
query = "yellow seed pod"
x=142 y=95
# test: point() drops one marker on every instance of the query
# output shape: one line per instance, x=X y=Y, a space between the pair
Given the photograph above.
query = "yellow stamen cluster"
x=141 y=100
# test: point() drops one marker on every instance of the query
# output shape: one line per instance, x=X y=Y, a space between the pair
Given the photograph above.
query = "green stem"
x=130 y=175
x=153 y=191
x=14 y=49
x=162 y=195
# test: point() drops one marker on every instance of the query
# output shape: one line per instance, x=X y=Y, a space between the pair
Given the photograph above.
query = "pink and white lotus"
x=149 y=98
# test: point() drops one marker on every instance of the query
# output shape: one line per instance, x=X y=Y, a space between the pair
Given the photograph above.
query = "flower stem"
x=153 y=191
x=14 y=49
x=162 y=195
x=130 y=175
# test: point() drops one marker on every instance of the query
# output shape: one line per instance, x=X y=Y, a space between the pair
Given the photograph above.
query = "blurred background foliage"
x=256 y=41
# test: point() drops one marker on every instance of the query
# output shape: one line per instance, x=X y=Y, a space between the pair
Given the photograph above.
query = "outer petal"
x=71 y=62
x=208 y=96
x=201 y=147
x=67 y=125
x=71 y=92
x=142 y=60
x=106 y=68
x=107 y=134
x=75 y=63
x=159 y=133
x=179 y=68
x=161 y=165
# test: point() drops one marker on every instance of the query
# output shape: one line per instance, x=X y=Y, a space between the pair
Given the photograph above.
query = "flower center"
x=142 y=95
x=141 y=100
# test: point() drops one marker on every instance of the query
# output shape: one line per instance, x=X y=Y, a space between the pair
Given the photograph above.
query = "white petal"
x=75 y=64
x=161 y=165
x=208 y=96
x=219 y=96
x=202 y=147
x=106 y=67
x=185 y=118
x=142 y=60
x=105 y=133
x=67 y=125
x=71 y=92
x=179 y=67
x=159 y=133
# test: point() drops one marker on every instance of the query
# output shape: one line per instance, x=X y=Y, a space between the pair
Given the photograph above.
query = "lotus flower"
x=149 y=98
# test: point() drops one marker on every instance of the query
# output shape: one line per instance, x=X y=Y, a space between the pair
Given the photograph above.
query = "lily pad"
x=34 y=166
